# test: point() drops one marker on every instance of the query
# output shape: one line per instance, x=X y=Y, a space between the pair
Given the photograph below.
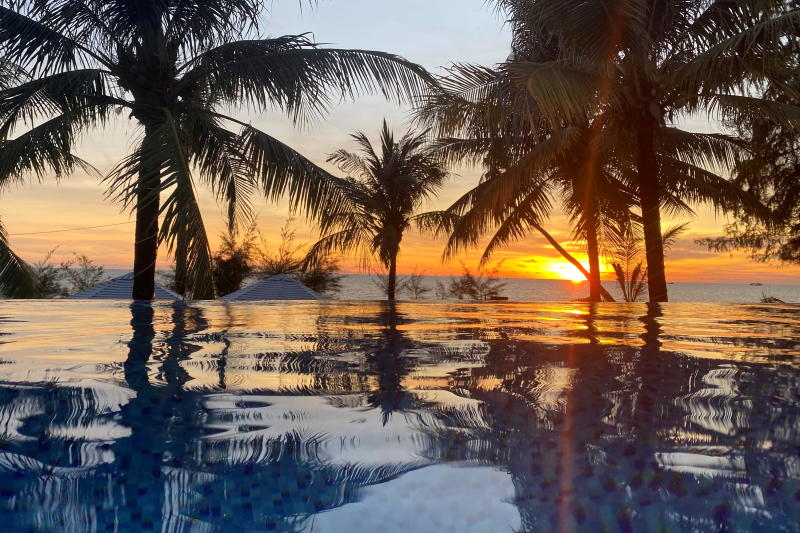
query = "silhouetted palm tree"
x=176 y=66
x=643 y=66
x=383 y=193
x=587 y=185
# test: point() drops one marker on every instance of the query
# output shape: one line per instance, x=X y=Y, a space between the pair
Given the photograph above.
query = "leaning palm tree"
x=384 y=192
x=483 y=117
x=175 y=67
x=644 y=66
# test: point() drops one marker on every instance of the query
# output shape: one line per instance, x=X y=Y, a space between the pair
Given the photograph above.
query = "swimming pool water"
x=365 y=416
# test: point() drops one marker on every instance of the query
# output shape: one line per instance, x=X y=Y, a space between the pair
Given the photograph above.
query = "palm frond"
x=690 y=184
x=217 y=154
x=671 y=234
x=16 y=277
x=352 y=239
x=182 y=225
x=38 y=47
x=182 y=221
x=517 y=224
x=435 y=222
x=733 y=106
x=294 y=74
x=711 y=150
x=749 y=50
x=277 y=169
x=43 y=150
x=78 y=91
x=564 y=93
x=199 y=24
x=480 y=213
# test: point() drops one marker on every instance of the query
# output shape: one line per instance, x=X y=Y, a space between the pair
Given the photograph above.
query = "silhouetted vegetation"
x=626 y=251
x=50 y=280
x=415 y=285
x=81 y=273
x=586 y=115
x=248 y=256
x=320 y=274
x=486 y=285
x=587 y=110
x=175 y=68
x=770 y=170
x=233 y=261
x=16 y=278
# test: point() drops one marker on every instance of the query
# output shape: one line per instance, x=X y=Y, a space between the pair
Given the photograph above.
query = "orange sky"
x=79 y=201
x=414 y=33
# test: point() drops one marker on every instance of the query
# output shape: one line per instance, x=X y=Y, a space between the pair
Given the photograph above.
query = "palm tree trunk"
x=146 y=245
x=593 y=251
x=391 y=286
x=650 y=198
x=569 y=257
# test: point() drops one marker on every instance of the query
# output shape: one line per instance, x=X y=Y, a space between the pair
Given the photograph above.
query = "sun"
x=566 y=271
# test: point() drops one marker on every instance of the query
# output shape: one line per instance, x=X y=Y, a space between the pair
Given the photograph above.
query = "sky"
x=434 y=33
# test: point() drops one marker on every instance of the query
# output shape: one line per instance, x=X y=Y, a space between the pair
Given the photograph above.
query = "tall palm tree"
x=384 y=192
x=175 y=67
x=647 y=64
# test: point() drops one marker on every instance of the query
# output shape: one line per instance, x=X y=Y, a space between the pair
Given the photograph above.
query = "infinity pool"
x=344 y=417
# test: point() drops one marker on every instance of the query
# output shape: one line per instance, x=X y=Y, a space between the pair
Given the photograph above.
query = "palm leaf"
x=744 y=51
x=42 y=151
x=38 y=47
x=77 y=91
x=563 y=92
x=16 y=277
x=182 y=221
x=216 y=152
x=733 y=106
x=182 y=224
x=293 y=74
x=279 y=170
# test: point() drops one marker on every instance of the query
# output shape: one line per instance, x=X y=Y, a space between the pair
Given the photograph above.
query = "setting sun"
x=566 y=271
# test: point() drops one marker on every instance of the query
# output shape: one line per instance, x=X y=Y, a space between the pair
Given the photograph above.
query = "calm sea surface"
x=363 y=287
x=344 y=416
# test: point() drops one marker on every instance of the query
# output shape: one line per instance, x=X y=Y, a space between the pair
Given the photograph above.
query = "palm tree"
x=482 y=116
x=644 y=65
x=175 y=67
x=383 y=192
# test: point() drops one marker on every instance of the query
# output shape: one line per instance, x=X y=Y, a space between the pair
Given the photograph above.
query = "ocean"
x=363 y=287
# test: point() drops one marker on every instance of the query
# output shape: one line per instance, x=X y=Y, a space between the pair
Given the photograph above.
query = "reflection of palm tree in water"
x=652 y=329
x=181 y=478
x=163 y=417
x=80 y=431
x=603 y=458
x=390 y=366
